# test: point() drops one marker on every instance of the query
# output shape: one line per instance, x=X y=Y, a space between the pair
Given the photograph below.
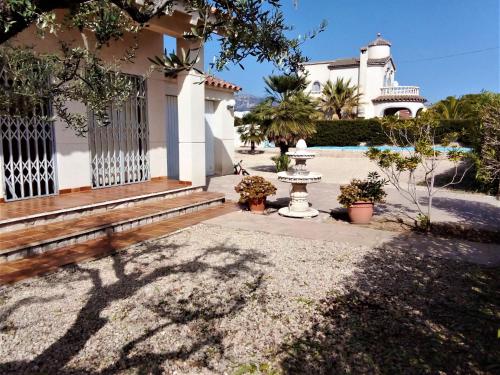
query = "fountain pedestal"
x=299 y=177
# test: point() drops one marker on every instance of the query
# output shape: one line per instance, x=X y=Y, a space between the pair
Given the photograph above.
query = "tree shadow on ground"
x=204 y=308
x=405 y=313
x=470 y=212
x=249 y=152
x=468 y=183
x=263 y=168
x=390 y=212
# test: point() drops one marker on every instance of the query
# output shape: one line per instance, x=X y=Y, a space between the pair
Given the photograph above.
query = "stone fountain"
x=299 y=177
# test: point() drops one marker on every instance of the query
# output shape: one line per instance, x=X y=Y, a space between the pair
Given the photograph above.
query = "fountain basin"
x=302 y=154
x=293 y=178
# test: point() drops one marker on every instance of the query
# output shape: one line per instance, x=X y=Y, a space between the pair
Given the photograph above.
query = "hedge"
x=348 y=133
x=466 y=129
x=354 y=132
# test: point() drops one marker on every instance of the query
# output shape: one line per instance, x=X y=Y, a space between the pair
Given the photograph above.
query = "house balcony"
x=399 y=94
x=400 y=91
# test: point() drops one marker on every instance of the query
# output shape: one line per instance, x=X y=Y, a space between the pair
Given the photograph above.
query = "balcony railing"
x=400 y=90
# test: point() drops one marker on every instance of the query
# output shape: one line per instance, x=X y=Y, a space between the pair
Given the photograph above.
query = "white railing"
x=400 y=90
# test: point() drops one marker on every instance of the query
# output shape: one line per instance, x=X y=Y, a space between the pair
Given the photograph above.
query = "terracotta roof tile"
x=399 y=98
x=379 y=42
x=354 y=61
x=221 y=84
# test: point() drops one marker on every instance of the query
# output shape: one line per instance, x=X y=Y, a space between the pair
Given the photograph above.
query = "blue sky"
x=419 y=30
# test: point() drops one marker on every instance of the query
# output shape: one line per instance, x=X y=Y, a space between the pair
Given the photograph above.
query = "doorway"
x=119 y=149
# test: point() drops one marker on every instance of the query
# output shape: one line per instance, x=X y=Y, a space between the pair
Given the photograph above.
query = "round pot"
x=257 y=206
x=360 y=212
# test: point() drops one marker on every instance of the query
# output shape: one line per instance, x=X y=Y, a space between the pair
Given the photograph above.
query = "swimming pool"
x=383 y=148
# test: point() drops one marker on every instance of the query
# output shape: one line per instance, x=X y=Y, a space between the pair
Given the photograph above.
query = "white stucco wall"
x=317 y=72
x=346 y=74
x=374 y=82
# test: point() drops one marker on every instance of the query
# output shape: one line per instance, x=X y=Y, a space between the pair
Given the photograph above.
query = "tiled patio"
x=48 y=262
x=45 y=205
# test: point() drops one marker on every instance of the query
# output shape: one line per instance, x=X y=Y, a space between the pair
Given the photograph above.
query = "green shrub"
x=282 y=162
x=466 y=130
x=348 y=133
x=369 y=190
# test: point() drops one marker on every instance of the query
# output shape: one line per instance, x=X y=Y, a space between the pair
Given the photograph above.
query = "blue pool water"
x=392 y=148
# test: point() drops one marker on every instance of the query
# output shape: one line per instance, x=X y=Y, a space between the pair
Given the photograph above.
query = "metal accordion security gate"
x=119 y=149
x=27 y=147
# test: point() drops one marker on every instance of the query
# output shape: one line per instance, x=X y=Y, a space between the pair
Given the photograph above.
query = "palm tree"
x=281 y=87
x=251 y=132
x=449 y=109
x=339 y=98
x=288 y=114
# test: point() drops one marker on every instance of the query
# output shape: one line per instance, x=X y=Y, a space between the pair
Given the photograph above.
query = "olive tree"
x=78 y=72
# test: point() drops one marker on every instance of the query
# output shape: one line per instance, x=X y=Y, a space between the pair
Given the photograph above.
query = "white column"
x=363 y=109
x=191 y=102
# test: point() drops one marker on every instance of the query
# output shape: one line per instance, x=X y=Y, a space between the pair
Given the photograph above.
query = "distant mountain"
x=245 y=102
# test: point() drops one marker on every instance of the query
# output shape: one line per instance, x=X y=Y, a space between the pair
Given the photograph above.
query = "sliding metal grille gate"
x=119 y=150
x=27 y=147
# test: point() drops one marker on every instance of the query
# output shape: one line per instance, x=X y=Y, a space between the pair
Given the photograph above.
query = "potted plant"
x=254 y=190
x=360 y=195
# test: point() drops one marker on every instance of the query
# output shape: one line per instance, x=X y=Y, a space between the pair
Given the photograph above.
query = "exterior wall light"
x=230 y=104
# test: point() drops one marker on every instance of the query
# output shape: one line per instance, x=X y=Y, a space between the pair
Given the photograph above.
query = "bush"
x=282 y=162
x=354 y=132
x=348 y=133
x=467 y=131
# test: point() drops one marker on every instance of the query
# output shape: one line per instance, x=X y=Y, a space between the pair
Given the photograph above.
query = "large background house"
x=169 y=128
x=374 y=73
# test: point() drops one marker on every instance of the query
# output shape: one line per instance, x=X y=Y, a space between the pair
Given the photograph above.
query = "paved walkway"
x=479 y=253
x=478 y=209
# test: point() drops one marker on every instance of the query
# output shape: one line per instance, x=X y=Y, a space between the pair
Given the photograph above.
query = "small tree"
x=416 y=138
x=251 y=132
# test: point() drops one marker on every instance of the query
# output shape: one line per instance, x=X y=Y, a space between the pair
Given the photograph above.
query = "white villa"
x=171 y=128
x=374 y=74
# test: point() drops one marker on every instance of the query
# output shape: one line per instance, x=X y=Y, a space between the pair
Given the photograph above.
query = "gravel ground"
x=203 y=301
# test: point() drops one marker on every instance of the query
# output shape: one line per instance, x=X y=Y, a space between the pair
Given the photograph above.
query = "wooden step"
x=51 y=261
x=48 y=237
x=38 y=211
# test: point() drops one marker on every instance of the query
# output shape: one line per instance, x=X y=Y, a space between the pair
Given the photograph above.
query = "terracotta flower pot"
x=360 y=212
x=257 y=206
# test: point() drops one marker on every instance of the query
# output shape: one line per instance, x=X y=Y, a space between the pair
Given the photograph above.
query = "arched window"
x=390 y=78
x=316 y=87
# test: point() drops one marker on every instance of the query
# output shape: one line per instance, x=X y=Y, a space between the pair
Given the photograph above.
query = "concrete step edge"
x=87 y=231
